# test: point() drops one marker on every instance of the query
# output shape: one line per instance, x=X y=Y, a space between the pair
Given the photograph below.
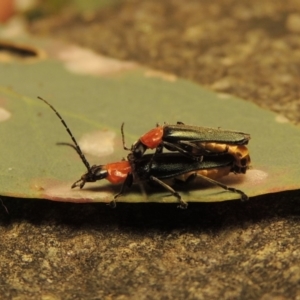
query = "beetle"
x=165 y=166
x=194 y=142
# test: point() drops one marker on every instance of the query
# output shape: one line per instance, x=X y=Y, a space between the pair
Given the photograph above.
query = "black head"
x=95 y=173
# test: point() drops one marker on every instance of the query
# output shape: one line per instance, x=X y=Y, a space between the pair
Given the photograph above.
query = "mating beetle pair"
x=201 y=152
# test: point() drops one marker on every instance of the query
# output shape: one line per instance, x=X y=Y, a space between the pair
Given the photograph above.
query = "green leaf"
x=95 y=97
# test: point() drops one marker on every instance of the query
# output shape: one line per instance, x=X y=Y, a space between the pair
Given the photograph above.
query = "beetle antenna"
x=66 y=144
x=75 y=146
x=123 y=138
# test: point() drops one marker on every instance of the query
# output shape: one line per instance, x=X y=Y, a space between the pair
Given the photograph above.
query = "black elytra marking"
x=76 y=146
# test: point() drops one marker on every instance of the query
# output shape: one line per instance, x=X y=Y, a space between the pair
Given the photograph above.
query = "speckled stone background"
x=229 y=250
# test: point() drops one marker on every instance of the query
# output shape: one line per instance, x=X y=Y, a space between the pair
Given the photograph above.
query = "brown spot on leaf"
x=4 y=114
x=62 y=192
x=255 y=177
x=98 y=143
x=85 y=61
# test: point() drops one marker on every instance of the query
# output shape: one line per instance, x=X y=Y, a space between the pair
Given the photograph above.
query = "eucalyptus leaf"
x=94 y=105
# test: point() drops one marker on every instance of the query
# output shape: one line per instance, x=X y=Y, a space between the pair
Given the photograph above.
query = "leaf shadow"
x=143 y=217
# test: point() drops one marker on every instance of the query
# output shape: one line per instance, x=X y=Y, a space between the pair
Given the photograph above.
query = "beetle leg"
x=174 y=147
x=127 y=183
x=244 y=197
x=197 y=145
x=182 y=204
x=159 y=150
x=186 y=153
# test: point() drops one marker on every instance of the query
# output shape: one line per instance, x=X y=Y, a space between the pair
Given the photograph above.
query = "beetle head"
x=93 y=174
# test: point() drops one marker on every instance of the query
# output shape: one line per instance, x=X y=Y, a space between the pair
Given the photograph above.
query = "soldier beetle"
x=194 y=142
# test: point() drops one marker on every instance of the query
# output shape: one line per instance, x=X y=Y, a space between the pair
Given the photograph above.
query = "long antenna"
x=123 y=137
x=76 y=146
